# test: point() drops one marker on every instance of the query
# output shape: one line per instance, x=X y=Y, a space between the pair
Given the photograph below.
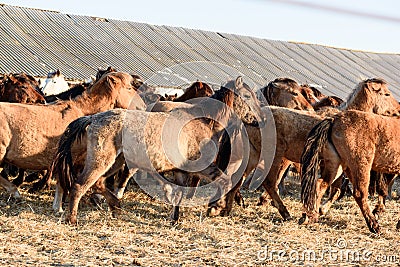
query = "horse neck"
x=88 y=104
x=358 y=101
x=186 y=96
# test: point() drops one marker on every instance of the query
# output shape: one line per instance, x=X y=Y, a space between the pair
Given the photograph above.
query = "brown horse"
x=329 y=101
x=20 y=88
x=196 y=89
x=356 y=142
x=292 y=128
x=28 y=146
x=137 y=138
x=311 y=93
x=285 y=92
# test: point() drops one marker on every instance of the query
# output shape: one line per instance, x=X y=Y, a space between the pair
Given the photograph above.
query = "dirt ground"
x=33 y=235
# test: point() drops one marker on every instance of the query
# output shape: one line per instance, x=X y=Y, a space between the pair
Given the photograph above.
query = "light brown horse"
x=356 y=142
x=28 y=146
x=292 y=128
x=195 y=90
x=137 y=137
x=20 y=88
x=285 y=92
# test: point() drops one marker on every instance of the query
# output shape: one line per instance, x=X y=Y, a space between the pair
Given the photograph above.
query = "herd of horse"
x=227 y=139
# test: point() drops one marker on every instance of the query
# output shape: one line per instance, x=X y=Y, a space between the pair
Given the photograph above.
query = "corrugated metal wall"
x=37 y=41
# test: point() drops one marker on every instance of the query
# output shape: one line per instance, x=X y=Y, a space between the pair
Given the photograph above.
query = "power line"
x=364 y=15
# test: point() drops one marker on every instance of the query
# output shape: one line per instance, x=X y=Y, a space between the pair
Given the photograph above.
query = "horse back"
x=366 y=138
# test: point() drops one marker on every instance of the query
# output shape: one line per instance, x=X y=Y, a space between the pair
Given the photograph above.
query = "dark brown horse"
x=20 y=88
x=285 y=92
x=329 y=101
x=196 y=89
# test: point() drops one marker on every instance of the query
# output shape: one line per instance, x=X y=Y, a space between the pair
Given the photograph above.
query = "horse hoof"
x=323 y=210
x=213 y=211
x=375 y=229
x=115 y=213
x=262 y=202
x=16 y=195
x=287 y=218
x=173 y=222
x=71 y=220
x=303 y=220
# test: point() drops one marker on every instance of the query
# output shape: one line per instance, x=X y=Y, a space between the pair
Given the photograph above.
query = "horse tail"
x=224 y=152
x=316 y=140
x=62 y=163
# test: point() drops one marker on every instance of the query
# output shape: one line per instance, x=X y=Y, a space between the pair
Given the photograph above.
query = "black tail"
x=309 y=161
x=224 y=152
x=62 y=163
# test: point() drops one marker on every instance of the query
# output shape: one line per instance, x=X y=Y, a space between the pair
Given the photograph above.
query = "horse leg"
x=334 y=194
x=95 y=168
x=122 y=181
x=218 y=204
x=345 y=188
x=389 y=196
x=58 y=197
x=20 y=178
x=39 y=185
x=270 y=184
x=283 y=166
x=10 y=187
x=360 y=180
x=174 y=194
x=384 y=182
x=331 y=171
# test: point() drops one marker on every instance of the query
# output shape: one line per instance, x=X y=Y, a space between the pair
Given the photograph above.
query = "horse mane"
x=315 y=91
x=361 y=86
x=225 y=95
x=73 y=92
x=101 y=72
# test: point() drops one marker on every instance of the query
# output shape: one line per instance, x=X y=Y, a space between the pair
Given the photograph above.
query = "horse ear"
x=166 y=95
x=239 y=82
x=176 y=94
x=111 y=79
x=375 y=86
x=12 y=78
x=58 y=73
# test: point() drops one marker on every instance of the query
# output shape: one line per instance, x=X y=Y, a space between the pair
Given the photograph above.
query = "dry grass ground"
x=32 y=235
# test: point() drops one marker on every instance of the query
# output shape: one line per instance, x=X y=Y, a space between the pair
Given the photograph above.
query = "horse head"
x=54 y=84
x=117 y=88
x=21 y=88
x=245 y=102
x=373 y=95
x=311 y=94
x=285 y=92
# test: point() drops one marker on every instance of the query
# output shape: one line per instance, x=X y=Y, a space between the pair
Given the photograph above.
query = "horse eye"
x=295 y=93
